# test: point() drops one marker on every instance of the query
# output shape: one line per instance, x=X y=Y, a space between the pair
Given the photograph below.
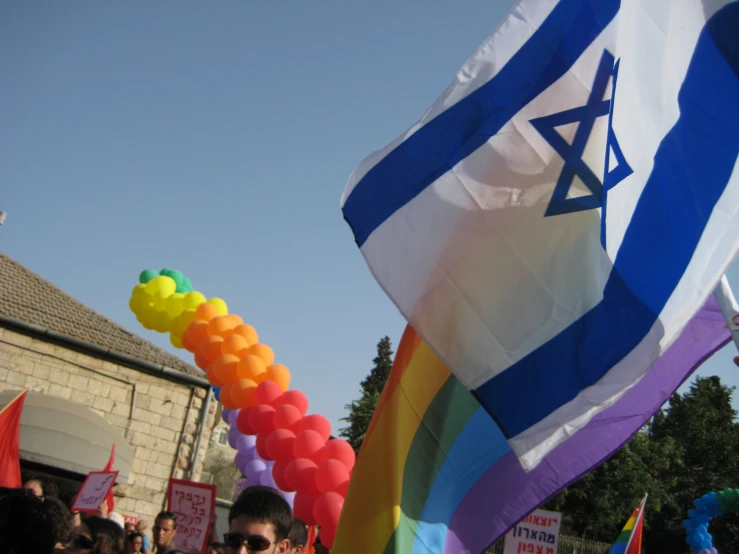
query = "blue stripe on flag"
x=691 y=170
x=460 y=130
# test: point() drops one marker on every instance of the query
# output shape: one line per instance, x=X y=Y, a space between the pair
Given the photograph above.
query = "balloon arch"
x=278 y=444
x=706 y=508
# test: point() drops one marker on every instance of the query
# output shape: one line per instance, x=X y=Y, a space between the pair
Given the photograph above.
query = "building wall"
x=161 y=429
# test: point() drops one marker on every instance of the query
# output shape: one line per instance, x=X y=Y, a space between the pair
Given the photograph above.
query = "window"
x=221 y=436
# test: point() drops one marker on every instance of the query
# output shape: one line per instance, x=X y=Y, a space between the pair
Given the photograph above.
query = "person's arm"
x=213 y=532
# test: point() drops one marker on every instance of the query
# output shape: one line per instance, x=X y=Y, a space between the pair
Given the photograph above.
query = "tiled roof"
x=30 y=298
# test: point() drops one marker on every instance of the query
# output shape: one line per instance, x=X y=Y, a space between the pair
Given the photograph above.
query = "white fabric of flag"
x=565 y=207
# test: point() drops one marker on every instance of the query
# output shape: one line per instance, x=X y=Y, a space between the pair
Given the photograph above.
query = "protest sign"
x=537 y=533
x=93 y=491
x=192 y=503
x=130 y=519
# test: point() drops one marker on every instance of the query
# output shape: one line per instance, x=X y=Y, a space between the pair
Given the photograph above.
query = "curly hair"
x=106 y=534
x=28 y=525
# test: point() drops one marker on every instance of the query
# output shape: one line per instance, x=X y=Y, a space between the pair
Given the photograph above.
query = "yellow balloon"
x=162 y=321
x=146 y=320
x=183 y=321
x=193 y=300
x=220 y=305
x=160 y=300
x=175 y=304
x=162 y=283
x=138 y=303
x=176 y=340
x=138 y=290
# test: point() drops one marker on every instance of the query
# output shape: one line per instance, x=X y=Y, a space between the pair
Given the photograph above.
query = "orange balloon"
x=251 y=367
x=224 y=368
x=206 y=312
x=264 y=352
x=280 y=375
x=235 y=344
x=187 y=345
x=196 y=333
x=248 y=332
x=236 y=319
x=211 y=376
x=209 y=350
x=226 y=399
x=221 y=325
x=242 y=393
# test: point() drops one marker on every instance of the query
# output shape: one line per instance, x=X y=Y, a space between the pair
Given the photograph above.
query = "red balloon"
x=339 y=449
x=327 y=509
x=280 y=445
x=307 y=444
x=287 y=416
x=327 y=534
x=268 y=392
x=330 y=475
x=261 y=419
x=343 y=489
x=315 y=422
x=294 y=398
x=303 y=507
x=262 y=446
x=295 y=477
x=242 y=422
x=278 y=474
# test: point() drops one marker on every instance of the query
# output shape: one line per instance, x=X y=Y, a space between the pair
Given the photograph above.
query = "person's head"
x=142 y=525
x=164 y=530
x=260 y=518
x=130 y=528
x=97 y=535
x=28 y=525
x=134 y=543
x=298 y=537
x=42 y=487
x=216 y=548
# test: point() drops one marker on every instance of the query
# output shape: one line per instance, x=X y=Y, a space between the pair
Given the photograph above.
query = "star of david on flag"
x=549 y=268
x=585 y=116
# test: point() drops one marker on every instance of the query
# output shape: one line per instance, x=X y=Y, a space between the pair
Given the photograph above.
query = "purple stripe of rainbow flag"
x=435 y=473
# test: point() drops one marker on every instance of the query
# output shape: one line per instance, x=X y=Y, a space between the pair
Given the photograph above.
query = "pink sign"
x=94 y=490
x=193 y=503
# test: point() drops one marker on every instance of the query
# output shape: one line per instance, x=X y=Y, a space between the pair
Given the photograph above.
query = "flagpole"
x=21 y=393
x=729 y=307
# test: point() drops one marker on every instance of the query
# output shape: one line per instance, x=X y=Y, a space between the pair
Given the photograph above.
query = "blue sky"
x=216 y=138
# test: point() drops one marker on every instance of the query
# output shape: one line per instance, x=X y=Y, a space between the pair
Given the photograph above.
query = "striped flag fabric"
x=436 y=474
x=629 y=540
x=560 y=213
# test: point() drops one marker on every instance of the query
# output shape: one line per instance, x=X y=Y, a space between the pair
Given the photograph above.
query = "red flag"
x=109 y=467
x=10 y=457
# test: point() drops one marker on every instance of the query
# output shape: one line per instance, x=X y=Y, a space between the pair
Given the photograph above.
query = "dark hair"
x=49 y=488
x=27 y=524
x=168 y=515
x=133 y=535
x=298 y=535
x=264 y=505
x=60 y=518
x=107 y=535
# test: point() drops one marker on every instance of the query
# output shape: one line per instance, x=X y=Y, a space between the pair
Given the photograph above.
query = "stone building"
x=91 y=384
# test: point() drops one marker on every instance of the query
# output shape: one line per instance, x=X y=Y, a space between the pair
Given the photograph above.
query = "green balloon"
x=187 y=285
x=147 y=275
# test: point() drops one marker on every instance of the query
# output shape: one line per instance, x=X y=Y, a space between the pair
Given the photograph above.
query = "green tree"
x=703 y=425
x=361 y=410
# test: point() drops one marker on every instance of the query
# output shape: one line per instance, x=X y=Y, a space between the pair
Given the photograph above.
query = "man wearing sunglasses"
x=259 y=521
x=165 y=528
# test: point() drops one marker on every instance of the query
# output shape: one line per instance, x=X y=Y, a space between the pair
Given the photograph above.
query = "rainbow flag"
x=629 y=540
x=436 y=474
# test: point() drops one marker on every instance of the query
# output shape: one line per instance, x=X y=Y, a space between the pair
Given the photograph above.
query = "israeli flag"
x=565 y=207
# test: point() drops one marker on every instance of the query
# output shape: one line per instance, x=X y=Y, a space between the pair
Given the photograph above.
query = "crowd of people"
x=34 y=520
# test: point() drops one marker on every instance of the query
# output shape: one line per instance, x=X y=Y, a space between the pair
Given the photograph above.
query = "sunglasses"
x=83 y=542
x=255 y=543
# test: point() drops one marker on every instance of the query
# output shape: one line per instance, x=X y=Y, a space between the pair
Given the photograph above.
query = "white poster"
x=537 y=533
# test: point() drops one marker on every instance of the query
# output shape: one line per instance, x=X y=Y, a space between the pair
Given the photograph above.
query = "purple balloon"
x=240 y=462
x=255 y=466
x=232 y=416
x=266 y=479
x=233 y=436
x=289 y=496
x=246 y=442
x=225 y=415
